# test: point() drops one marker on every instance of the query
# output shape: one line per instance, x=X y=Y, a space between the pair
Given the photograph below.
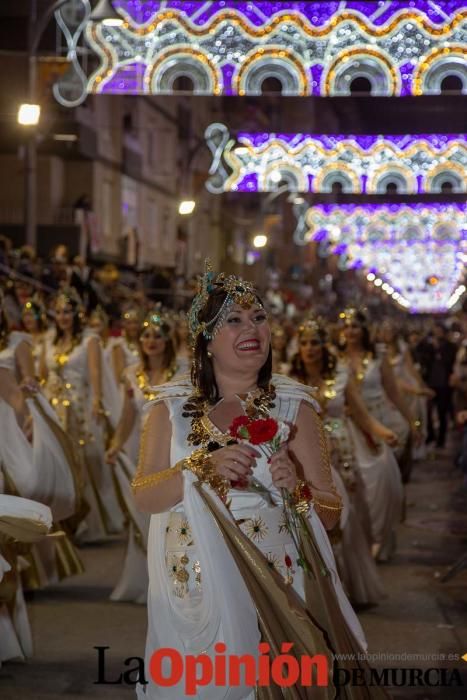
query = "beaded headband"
x=157 y=321
x=237 y=292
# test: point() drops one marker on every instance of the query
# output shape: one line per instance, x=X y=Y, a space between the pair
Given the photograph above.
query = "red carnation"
x=288 y=561
x=262 y=430
x=238 y=423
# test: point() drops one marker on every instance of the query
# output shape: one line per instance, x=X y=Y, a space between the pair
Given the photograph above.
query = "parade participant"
x=72 y=370
x=182 y=346
x=213 y=498
x=157 y=366
x=34 y=322
x=125 y=348
x=412 y=387
x=379 y=392
x=317 y=366
x=279 y=349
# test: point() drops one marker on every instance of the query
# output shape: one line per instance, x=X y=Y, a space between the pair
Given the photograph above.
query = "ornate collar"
x=204 y=433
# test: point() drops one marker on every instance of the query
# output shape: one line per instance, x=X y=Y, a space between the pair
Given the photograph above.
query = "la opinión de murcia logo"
x=167 y=668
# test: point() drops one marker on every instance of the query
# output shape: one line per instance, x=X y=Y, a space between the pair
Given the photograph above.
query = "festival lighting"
x=186 y=207
x=260 y=241
x=403 y=247
x=256 y=162
x=29 y=115
x=400 y=47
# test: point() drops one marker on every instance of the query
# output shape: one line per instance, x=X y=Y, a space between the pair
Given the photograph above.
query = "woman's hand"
x=386 y=435
x=283 y=471
x=30 y=385
x=97 y=409
x=111 y=454
x=234 y=462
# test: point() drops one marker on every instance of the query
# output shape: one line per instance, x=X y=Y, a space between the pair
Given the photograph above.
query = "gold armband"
x=200 y=464
x=144 y=481
x=323 y=505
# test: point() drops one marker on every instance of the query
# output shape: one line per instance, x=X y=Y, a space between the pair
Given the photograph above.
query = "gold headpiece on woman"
x=237 y=292
x=69 y=295
x=313 y=325
x=158 y=321
x=35 y=306
x=131 y=314
x=351 y=314
x=100 y=313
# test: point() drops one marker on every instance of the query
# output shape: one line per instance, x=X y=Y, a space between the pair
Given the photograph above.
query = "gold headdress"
x=353 y=314
x=100 y=313
x=35 y=306
x=69 y=295
x=158 y=321
x=312 y=326
x=131 y=314
x=237 y=291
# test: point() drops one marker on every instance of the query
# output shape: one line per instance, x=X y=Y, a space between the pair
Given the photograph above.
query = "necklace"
x=62 y=355
x=257 y=404
x=360 y=371
x=147 y=388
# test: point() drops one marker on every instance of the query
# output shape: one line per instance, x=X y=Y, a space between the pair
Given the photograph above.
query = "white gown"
x=69 y=390
x=38 y=471
x=212 y=605
x=378 y=467
x=133 y=582
x=418 y=404
x=357 y=566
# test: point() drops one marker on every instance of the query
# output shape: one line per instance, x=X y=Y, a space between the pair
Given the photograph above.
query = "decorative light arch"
x=404 y=246
x=315 y=48
x=361 y=163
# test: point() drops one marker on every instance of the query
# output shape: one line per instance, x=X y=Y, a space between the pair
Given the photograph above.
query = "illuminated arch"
x=278 y=63
x=183 y=61
x=362 y=62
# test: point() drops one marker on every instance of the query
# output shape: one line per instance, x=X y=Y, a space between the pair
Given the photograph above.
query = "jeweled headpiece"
x=353 y=314
x=36 y=307
x=131 y=314
x=157 y=321
x=312 y=326
x=237 y=291
x=69 y=295
x=101 y=314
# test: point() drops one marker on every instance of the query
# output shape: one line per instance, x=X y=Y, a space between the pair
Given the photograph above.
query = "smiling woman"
x=237 y=542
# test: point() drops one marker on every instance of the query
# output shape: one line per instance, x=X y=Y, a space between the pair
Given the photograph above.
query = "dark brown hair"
x=77 y=327
x=169 y=350
x=202 y=373
x=367 y=343
x=328 y=364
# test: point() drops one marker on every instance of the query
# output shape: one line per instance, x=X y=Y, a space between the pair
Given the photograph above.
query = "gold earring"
x=209 y=353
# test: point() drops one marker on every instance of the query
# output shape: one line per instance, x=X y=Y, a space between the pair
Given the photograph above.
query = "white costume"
x=378 y=465
x=358 y=569
x=69 y=390
x=197 y=595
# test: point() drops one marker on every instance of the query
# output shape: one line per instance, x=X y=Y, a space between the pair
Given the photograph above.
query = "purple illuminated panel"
x=416 y=163
x=232 y=47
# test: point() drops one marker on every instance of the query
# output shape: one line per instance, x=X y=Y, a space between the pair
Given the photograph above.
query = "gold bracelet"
x=301 y=497
x=322 y=505
x=144 y=481
x=200 y=464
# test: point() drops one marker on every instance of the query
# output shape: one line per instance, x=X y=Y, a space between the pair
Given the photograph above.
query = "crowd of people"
x=79 y=378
